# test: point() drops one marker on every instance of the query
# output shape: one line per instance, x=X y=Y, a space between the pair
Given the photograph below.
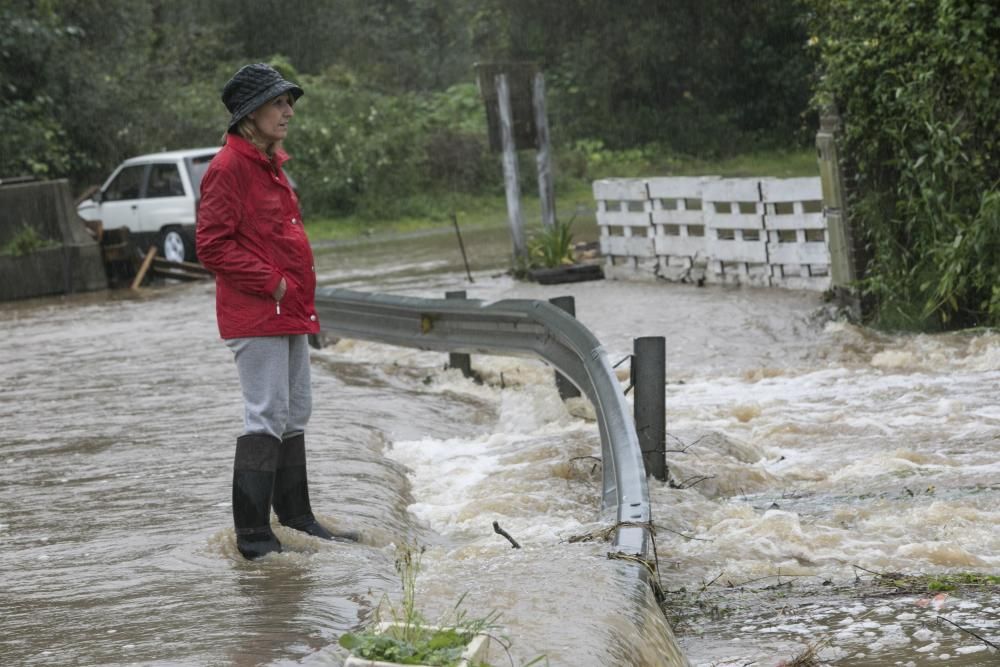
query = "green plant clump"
x=26 y=241
x=438 y=647
x=412 y=640
x=552 y=246
x=918 y=87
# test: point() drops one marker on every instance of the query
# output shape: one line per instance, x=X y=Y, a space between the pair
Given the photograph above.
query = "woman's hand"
x=279 y=291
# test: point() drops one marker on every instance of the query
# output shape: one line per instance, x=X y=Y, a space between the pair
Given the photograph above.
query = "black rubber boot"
x=253 y=483
x=291 y=492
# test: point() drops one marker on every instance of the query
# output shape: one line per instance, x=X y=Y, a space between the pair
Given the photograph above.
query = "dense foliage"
x=391 y=112
x=918 y=86
x=700 y=77
x=392 y=123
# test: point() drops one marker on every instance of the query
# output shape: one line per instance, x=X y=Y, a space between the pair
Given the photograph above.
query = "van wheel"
x=174 y=245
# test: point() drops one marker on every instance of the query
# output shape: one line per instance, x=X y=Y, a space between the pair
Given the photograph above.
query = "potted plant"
x=553 y=260
x=407 y=638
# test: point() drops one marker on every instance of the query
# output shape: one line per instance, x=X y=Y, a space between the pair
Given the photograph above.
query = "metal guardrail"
x=516 y=327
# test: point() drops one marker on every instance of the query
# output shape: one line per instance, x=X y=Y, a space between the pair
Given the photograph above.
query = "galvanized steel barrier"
x=516 y=327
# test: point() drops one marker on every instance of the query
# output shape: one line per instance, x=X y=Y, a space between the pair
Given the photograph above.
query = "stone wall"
x=74 y=265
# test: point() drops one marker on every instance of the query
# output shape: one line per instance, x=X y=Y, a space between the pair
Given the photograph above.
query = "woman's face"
x=271 y=118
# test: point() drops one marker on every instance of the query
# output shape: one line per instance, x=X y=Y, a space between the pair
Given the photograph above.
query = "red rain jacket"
x=250 y=235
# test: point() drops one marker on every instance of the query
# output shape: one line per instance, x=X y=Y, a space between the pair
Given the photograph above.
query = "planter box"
x=573 y=273
x=476 y=651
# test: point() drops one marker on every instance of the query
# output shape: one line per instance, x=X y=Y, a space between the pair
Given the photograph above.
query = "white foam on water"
x=463 y=484
x=868 y=452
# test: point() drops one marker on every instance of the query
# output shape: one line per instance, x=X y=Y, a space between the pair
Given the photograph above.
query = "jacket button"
x=312 y=317
x=294 y=220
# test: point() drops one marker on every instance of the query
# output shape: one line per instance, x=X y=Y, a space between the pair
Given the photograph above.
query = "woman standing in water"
x=250 y=235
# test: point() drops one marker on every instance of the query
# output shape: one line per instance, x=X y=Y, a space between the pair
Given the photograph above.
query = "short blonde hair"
x=248 y=130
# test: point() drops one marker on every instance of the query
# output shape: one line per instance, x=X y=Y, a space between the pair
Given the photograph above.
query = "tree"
x=918 y=85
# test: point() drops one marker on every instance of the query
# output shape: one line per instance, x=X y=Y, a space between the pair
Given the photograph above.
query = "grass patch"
x=574 y=196
x=634 y=164
x=777 y=164
x=937 y=583
x=414 y=214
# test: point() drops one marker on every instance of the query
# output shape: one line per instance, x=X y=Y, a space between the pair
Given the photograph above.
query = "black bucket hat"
x=251 y=87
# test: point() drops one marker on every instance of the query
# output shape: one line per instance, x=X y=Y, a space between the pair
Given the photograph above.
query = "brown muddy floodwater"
x=812 y=453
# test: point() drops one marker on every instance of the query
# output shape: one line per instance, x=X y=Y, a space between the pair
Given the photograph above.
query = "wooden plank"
x=738 y=250
x=795 y=221
x=798 y=253
x=174 y=274
x=731 y=189
x=813 y=283
x=510 y=176
x=146 y=262
x=680 y=246
x=791 y=189
x=618 y=218
x=618 y=189
x=628 y=246
x=189 y=267
x=679 y=216
x=678 y=187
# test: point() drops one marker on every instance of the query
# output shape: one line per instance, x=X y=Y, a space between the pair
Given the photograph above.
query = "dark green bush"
x=360 y=150
x=26 y=241
x=918 y=86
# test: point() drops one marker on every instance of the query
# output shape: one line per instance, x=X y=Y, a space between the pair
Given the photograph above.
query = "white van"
x=156 y=197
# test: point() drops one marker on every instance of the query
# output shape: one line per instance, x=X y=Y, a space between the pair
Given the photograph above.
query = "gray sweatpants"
x=274 y=377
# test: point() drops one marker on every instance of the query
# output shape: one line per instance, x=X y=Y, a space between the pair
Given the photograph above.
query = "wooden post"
x=146 y=262
x=510 y=175
x=844 y=264
x=546 y=189
x=649 y=370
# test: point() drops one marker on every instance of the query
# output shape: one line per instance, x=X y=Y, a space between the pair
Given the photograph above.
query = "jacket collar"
x=247 y=149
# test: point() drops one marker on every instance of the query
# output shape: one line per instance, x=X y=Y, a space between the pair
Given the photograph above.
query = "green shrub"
x=26 y=241
x=359 y=150
x=918 y=86
x=552 y=247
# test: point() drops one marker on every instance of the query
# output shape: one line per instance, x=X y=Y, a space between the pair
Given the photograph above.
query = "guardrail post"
x=649 y=369
x=459 y=360
x=566 y=388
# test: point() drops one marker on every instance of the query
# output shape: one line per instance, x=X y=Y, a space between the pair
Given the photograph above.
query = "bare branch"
x=985 y=641
x=500 y=531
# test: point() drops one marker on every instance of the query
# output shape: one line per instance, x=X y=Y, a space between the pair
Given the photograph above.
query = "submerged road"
x=805 y=449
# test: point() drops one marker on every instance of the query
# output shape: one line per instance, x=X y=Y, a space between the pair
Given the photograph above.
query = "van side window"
x=164 y=181
x=126 y=184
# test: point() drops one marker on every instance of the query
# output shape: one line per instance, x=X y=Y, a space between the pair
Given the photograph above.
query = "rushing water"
x=813 y=453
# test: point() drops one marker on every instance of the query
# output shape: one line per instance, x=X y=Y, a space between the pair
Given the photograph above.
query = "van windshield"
x=197 y=166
